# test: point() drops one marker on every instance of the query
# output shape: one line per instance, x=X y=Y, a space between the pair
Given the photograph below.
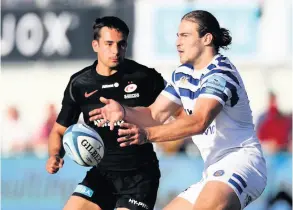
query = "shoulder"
x=184 y=68
x=81 y=74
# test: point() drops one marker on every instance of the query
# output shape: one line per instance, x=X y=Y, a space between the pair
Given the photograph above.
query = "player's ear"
x=208 y=38
x=95 y=45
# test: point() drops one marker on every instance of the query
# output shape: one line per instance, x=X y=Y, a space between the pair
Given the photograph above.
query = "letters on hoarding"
x=54 y=34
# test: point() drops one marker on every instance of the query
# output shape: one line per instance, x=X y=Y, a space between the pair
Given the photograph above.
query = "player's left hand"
x=131 y=134
x=110 y=113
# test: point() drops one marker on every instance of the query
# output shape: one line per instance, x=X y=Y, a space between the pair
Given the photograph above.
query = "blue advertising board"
x=26 y=185
x=242 y=21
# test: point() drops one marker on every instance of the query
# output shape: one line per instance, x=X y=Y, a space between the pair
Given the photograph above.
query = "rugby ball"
x=83 y=145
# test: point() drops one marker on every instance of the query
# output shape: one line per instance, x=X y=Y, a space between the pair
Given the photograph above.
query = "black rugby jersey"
x=133 y=85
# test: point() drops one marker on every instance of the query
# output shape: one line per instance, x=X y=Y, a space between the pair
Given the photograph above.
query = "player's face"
x=111 y=47
x=189 y=45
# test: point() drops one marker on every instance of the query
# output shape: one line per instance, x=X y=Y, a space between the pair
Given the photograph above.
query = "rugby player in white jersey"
x=218 y=118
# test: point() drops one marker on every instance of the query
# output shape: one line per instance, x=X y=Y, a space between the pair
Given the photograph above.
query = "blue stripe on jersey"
x=191 y=80
x=234 y=98
x=211 y=66
x=239 y=178
x=187 y=65
x=173 y=77
x=188 y=93
x=235 y=184
x=170 y=89
x=227 y=73
x=223 y=64
x=215 y=92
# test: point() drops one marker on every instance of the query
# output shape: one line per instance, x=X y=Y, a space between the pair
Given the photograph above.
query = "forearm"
x=141 y=116
x=178 y=129
x=55 y=146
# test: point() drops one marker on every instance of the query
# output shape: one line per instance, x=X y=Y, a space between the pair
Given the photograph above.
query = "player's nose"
x=178 y=42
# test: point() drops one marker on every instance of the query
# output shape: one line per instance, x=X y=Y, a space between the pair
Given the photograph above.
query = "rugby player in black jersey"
x=126 y=178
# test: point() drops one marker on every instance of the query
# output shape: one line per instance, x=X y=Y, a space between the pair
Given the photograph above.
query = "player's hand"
x=110 y=113
x=131 y=135
x=54 y=163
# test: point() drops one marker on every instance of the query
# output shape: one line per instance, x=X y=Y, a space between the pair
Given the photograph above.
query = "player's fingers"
x=112 y=125
x=55 y=170
x=126 y=138
x=124 y=132
x=61 y=163
x=56 y=163
x=104 y=100
x=94 y=112
x=52 y=170
x=125 y=144
x=96 y=117
x=133 y=142
x=126 y=125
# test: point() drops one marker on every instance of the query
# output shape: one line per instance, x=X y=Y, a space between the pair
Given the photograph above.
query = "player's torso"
x=233 y=125
x=129 y=87
x=130 y=91
x=188 y=83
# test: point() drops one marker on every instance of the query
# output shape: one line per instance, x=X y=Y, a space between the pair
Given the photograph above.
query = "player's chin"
x=183 y=60
x=113 y=65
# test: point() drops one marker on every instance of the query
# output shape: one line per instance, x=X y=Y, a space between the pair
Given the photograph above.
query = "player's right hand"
x=54 y=163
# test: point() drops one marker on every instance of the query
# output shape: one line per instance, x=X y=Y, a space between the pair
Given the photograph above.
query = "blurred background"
x=43 y=42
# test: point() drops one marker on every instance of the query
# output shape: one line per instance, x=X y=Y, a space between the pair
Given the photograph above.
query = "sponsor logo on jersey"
x=130 y=88
x=183 y=80
x=84 y=190
x=133 y=95
x=138 y=203
x=106 y=124
x=219 y=173
x=210 y=130
x=116 y=84
x=86 y=94
x=188 y=111
x=216 y=83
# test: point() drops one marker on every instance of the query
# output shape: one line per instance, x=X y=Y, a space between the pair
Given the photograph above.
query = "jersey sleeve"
x=222 y=86
x=159 y=84
x=70 y=110
x=170 y=91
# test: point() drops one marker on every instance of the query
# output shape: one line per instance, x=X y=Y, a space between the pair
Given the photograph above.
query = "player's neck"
x=204 y=60
x=104 y=70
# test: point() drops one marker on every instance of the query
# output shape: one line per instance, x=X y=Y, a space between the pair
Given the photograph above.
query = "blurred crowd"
x=18 y=140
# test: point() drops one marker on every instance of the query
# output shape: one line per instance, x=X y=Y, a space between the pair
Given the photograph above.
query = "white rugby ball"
x=83 y=145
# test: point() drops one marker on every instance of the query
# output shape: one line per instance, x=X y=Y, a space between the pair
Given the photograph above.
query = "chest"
x=188 y=88
x=130 y=92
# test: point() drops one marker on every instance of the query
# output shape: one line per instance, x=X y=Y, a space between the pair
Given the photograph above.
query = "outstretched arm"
x=156 y=114
x=204 y=112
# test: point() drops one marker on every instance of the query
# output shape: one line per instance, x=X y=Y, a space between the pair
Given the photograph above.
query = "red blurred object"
x=276 y=127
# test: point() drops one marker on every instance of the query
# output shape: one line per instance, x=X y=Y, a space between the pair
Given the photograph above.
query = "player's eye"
x=122 y=45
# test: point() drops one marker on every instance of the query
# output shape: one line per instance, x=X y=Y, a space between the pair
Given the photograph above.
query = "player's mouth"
x=180 y=52
x=115 y=60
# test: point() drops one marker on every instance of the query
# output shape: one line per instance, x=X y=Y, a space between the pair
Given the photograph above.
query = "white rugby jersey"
x=233 y=127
